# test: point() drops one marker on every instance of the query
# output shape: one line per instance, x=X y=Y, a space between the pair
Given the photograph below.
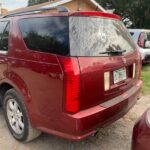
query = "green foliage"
x=136 y=10
x=146 y=79
x=34 y=2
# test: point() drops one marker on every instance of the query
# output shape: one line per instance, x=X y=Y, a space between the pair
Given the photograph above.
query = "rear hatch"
x=108 y=60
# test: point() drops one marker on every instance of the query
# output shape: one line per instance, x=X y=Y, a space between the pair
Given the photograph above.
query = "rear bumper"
x=85 y=123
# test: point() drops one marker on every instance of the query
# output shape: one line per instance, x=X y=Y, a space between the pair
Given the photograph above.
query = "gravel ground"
x=114 y=137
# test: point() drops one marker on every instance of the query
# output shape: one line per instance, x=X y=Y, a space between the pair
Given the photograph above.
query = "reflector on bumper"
x=107 y=81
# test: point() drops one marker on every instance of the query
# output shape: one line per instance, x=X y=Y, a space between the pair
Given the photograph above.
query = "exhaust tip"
x=95 y=134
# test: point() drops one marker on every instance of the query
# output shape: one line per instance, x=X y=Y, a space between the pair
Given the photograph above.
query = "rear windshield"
x=92 y=36
x=143 y=38
x=75 y=36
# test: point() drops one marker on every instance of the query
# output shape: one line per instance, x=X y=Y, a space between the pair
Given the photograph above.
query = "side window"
x=4 y=39
x=2 y=27
x=46 y=34
x=4 y=34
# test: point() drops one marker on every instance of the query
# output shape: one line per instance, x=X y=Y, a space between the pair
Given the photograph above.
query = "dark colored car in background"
x=141 y=133
x=66 y=74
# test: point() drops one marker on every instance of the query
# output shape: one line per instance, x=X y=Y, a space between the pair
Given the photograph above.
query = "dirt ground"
x=115 y=137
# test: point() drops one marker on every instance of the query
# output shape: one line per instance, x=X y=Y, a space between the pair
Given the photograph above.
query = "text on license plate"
x=119 y=75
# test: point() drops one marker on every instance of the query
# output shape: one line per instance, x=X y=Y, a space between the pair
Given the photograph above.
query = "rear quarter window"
x=46 y=34
x=132 y=33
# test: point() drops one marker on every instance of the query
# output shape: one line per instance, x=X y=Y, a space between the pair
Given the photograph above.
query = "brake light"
x=140 y=41
x=72 y=83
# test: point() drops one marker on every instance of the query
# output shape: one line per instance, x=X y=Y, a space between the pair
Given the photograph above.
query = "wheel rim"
x=15 y=116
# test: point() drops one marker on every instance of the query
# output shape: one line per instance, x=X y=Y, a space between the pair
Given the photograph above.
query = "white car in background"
x=142 y=39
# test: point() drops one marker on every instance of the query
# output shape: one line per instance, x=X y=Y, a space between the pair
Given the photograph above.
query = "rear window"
x=91 y=36
x=48 y=34
x=146 y=36
x=143 y=38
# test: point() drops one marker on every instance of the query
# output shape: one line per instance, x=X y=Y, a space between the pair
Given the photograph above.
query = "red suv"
x=66 y=74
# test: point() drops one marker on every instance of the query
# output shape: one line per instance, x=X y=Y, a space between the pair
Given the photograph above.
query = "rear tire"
x=16 y=117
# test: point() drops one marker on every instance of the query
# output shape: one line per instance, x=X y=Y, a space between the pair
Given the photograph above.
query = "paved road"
x=115 y=137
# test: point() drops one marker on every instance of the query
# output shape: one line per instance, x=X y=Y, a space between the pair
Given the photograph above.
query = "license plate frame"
x=119 y=75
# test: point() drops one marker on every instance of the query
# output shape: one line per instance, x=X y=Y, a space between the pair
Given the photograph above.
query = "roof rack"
x=61 y=9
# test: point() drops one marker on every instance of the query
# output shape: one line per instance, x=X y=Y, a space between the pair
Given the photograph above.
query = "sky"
x=13 y=4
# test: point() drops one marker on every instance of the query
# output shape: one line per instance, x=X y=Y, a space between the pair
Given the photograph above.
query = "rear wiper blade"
x=114 y=53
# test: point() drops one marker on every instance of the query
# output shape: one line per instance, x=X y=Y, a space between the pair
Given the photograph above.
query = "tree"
x=34 y=2
x=136 y=10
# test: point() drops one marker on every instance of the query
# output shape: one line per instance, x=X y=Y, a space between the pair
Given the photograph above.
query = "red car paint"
x=41 y=80
x=141 y=133
x=98 y=14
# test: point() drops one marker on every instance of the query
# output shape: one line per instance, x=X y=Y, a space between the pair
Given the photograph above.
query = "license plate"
x=119 y=75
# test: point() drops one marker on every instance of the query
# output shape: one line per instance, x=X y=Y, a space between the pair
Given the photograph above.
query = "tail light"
x=72 y=84
x=140 y=41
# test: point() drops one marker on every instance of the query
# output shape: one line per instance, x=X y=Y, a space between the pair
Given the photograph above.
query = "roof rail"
x=61 y=9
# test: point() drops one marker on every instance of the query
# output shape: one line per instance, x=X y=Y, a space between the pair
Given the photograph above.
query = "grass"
x=146 y=79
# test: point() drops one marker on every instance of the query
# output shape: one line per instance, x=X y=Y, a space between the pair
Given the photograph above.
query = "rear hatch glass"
x=94 y=36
